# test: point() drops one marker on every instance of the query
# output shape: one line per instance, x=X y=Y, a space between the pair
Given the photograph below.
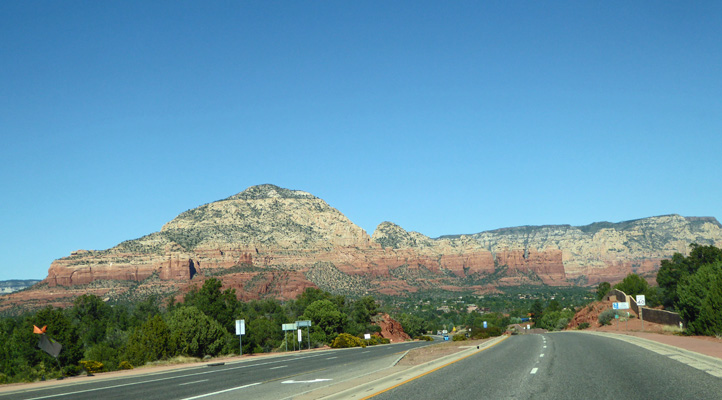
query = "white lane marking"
x=281 y=366
x=190 y=383
x=534 y=370
x=331 y=358
x=222 y=391
x=171 y=377
x=542 y=355
x=545 y=346
x=313 y=381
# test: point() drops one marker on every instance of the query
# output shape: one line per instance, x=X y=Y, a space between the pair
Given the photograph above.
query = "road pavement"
x=259 y=378
x=567 y=365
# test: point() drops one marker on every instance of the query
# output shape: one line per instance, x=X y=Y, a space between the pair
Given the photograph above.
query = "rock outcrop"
x=272 y=242
x=390 y=328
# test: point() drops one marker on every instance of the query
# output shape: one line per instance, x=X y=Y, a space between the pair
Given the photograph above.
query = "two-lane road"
x=566 y=365
x=261 y=378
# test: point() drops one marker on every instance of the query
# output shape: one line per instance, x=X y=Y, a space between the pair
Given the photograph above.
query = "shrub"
x=381 y=340
x=424 y=337
x=92 y=366
x=344 y=340
x=458 y=338
x=583 y=325
x=561 y=324
x=125 y=365
x=606 y=317
x=376 y=340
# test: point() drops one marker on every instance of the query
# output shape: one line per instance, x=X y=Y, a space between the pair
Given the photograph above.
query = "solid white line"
x=222 y=391
x=169 y=378
x=534 y=370
x=190 y=383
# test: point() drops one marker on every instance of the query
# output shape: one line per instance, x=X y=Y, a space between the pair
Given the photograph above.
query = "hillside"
x=269 y=241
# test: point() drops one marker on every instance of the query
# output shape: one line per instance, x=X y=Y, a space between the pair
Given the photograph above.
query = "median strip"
x=489 y=345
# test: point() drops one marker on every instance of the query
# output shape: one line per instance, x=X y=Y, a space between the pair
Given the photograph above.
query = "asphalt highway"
x=566 y=365
x=259 y=378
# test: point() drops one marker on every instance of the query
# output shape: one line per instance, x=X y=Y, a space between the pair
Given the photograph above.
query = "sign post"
x=299 y=339
x=286 y=328
x=641 y=301
x=240 y=331
x=307 y=324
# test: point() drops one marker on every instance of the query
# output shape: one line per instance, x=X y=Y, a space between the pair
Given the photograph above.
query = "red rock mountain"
x=272 y=242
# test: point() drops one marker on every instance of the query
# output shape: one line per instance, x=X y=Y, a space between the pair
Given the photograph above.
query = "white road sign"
x=620 y=305
x=641 y=300
x=240 y=327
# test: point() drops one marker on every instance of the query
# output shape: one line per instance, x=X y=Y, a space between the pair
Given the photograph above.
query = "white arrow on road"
x=313 y=381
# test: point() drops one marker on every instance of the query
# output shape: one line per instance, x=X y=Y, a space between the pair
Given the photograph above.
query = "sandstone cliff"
x=270 y=241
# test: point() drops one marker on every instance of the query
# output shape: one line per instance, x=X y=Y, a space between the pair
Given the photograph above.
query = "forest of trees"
x=93 y=332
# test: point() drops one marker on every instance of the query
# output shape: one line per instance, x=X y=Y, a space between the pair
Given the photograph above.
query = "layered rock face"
x=606 y=251
x=275 y=242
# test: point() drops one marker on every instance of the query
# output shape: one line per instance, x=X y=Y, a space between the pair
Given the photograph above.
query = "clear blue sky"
x=443 y=117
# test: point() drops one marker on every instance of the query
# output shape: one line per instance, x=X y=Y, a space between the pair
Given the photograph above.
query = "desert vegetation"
x=96 y=336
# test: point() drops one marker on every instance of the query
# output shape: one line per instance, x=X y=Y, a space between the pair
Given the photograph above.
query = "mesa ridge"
x=269 y=241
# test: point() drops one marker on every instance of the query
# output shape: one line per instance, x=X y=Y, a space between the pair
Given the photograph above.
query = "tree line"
x=112 y=337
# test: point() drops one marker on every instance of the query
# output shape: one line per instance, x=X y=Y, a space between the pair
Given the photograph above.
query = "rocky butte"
x=272 y=242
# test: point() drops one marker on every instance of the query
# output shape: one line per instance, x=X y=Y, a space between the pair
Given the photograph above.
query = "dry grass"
x=672 y=329
x=428 y=353
x=173 y=361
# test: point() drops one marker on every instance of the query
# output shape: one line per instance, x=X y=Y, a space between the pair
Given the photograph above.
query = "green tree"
x=92 y=317
x=674 y=271
x=536 y=311
x=222 y=306
x=143 y=311
x=700 y=300
x=553 y=306
x=149 y=342
x=61 y=329
x=264 y=334
x=413 y=325
x=326 y=319
x=363 y=309
x=602 y=289
x=634 y=284
x=555 y=320
x=192 y=333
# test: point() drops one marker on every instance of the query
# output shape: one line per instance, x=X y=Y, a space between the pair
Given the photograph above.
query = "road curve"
x=565 y=365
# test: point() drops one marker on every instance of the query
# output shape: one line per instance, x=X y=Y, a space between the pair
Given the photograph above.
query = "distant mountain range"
x=14 y=285
x=269 y=241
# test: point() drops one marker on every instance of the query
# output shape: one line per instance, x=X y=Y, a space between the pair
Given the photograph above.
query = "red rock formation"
x=274 y=242
x=390 y=328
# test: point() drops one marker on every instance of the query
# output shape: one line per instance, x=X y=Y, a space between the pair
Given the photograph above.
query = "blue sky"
x=443 y=117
